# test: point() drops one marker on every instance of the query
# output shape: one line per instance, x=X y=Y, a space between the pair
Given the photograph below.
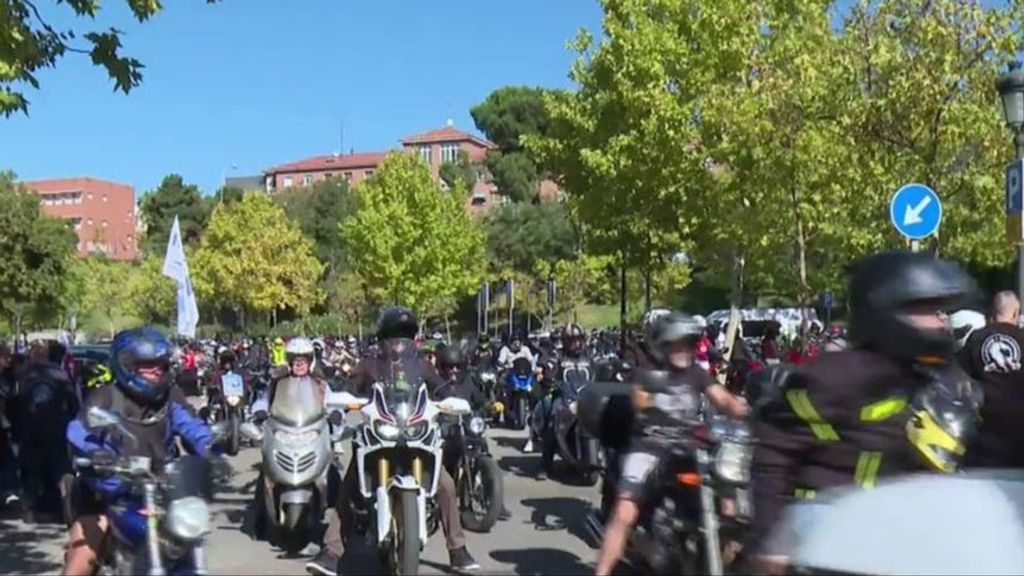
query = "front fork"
x=709 y=516
x=156 y=566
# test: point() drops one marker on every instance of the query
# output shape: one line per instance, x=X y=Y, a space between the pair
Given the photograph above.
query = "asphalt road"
x=545 y=535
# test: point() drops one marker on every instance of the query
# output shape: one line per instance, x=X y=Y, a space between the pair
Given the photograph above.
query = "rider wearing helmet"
x=563 y=377
x=152 y=410
x=844 y=420
x=663 y=403
x=513 y=351
x=963 y=323
x=483 y=356
x=278 y=356
x=639 y=351
x=396 y=329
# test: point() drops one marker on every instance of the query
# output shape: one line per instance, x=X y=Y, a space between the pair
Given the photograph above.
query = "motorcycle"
x=519 y=382
x=700 y=502
x=478 y=479
x=576 y=447
x=165 y=532
x=299 y=448
x=399 y=458
x=229 y=407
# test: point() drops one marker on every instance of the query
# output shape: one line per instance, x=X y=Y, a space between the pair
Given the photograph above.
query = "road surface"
x=546 y=534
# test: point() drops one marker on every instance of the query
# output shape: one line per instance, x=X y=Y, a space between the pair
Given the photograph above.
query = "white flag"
x=176 y=267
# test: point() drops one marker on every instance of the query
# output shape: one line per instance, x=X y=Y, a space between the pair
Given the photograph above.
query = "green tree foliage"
x=34 y=254
x=107 y=289
x=460 y=175
x=29 y=44
x=578 y=281
x=520 y=235
x=228 y=194
x=410 y=242
x=511 y=112
x=319 y=210
x=252 y=257
x=154 y=295
x=514 y=174
x=159 y=207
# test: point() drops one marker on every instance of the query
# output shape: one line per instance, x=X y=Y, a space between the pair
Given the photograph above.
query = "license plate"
x=231 y=385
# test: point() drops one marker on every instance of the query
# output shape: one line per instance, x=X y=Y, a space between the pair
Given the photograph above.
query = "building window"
x=425 y=154
x=329 y=175
x=77 y=223
x=368 y=173
x=104 y=198
x=287 y=181
x=307 y=180
x=104 y=224
x=450 y=153
x=90 y=221
x=348 y=177
x=90 y=196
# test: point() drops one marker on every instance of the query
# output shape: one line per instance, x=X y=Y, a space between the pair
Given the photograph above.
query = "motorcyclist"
x=963 y=323
x=278 y=355
x=656 y=413
x=640 y=351
x=563 y=376
x=396 y=330
x=321 y=359
x=843 y=420
x=483 y=355
x=152 y=410
x=511 y=352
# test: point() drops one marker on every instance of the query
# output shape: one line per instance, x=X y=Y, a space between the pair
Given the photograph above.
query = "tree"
x=578 y=281
x=159 y=207
x=319 y=210
x=34 y=254
x=460 y=175
x=412 y=243
x=520 y=235
x=107 y=289
x=31 y=44
x=511 y=112
x=252 y=257
x=514 y=174
x=228 y=194
x=153 y=295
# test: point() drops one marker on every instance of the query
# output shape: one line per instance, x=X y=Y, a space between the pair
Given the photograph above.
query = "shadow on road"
x=537 y=561
x=20 y=552
x=560 y=513
x=523 y=466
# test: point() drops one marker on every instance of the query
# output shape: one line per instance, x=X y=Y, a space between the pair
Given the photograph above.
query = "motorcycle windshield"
x=297 y=402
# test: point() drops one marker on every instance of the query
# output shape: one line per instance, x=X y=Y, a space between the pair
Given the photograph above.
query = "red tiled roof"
x=332 y=162
x=446 y=134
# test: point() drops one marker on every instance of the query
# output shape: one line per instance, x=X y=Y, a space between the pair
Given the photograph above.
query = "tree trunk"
x=801 y=245
x=447 y=328
x=622 y=307
x=647 y=290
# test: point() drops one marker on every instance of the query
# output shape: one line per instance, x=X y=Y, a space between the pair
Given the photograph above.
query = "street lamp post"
x=1011 y=91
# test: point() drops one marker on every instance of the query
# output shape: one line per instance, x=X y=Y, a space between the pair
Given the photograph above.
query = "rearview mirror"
x=455 y=406
x=251 y=431
x=97 y=417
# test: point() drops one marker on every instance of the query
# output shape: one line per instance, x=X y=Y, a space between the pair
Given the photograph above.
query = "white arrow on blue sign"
x=915 y=211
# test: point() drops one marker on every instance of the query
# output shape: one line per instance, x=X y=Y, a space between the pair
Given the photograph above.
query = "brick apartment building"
x=436 y=147
x=102 y=212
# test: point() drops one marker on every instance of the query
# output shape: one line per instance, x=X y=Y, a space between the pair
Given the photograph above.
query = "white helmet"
x=299 y=346
x=963 y=323
x=649 y=320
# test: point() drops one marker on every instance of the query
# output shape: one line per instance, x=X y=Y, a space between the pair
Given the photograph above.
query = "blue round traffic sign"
x=915 y=211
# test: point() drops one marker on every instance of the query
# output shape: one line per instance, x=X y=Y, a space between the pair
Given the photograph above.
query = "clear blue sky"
x=253 y=83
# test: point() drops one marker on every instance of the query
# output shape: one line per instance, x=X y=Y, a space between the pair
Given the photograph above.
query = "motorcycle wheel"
x=68 y=499
x=294 y=532
x=480 y=512
x=405 y=560
x=233 y=435
x=523 y=409
x=259 y=528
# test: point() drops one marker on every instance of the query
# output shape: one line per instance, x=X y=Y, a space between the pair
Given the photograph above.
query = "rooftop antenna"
x=449 y=123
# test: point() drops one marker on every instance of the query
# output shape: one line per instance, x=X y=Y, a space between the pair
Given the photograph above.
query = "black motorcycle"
x=478 y=479
x=227 y=401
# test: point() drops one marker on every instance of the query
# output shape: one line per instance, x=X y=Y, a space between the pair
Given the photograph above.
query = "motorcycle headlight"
x=188 y=518
x=732 y=463
x=296 y=439
x=476 y=425
x=417 y=430
x=386 y=431
x=234 y=400
x=572 y=407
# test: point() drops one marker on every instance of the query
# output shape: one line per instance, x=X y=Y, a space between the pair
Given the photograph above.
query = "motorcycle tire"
x=259 y=528
x=523 y=409
x=69 y=495
x=407 y=536
x=492 y=485
x=234 y=437
x=294 y=529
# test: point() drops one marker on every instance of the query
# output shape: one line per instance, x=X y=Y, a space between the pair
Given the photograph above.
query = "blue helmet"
x=140 y=346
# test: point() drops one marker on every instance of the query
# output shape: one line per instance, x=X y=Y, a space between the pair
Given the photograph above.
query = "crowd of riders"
x=828 y=406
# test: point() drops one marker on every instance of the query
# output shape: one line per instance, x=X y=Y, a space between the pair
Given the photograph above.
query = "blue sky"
x=253 y=83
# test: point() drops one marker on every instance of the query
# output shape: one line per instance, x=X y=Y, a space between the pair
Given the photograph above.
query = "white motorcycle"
x=299 y=447
x=398 y=452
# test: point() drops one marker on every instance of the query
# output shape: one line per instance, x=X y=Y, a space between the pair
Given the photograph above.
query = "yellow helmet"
x=943 y=419
x=498 y=407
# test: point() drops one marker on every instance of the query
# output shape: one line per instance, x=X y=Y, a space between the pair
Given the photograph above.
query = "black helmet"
x=449 y=357
x=573 y=338
x=397 y=322
x=886 y=286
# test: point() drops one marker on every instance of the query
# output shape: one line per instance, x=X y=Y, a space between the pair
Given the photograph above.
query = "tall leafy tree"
x=252 y=257
x=159 y=207
x=319 y=210
x=31 y=44
x=510 y=112
x=520 y=235
x=35 y=251
x=410 y=242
